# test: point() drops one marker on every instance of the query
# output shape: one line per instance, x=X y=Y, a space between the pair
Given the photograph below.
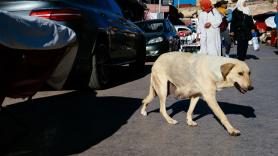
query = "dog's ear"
x=226 y=68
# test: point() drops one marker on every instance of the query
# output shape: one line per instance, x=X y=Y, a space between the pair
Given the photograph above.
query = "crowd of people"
x=218 y=25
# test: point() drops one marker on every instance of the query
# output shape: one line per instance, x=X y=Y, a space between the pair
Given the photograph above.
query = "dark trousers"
x=226 y=42
x=242 y=46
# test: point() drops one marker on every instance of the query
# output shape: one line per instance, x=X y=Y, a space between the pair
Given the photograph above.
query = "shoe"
x=227 y=56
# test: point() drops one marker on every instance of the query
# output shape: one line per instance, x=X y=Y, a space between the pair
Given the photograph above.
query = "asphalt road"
x=108 y=122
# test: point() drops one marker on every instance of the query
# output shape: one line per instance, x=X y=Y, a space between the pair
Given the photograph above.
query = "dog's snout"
x=250 y=87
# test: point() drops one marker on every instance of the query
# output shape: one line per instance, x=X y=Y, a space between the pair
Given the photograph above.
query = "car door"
x=173 y=36
x=122 y=34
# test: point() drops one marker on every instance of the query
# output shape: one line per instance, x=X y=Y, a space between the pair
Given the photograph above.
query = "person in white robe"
x=208 y=30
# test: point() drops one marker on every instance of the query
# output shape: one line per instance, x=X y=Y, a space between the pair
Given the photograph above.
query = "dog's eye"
x=240 y=73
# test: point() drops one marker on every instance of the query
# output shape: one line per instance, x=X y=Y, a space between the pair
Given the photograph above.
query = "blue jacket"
x=276 y=20
x=229 y=15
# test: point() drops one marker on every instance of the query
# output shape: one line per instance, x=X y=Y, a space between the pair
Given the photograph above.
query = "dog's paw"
x=191 y=123
x=234 y=132
x=172 y=121
x=144 y=113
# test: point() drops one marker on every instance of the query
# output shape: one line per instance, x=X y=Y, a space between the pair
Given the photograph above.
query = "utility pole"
x=159 y=6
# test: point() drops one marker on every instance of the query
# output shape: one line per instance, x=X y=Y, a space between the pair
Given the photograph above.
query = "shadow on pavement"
x=248 y=56
x=119 y=74
x=276 y=52
x=123 y=74
x=202 y=109
x=63 y=124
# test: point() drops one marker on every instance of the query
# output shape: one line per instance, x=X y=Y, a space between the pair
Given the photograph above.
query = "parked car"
x=33 y=50
x=188 y=37
x=161 y=36
x=105 y=37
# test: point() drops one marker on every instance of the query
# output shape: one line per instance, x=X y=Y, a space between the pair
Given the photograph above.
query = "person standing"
x=208 y=30
x=242 y=27
x=276 y=22
x=222 y=6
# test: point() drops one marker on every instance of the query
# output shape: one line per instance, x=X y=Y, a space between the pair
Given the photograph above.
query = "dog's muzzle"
x=243 y=90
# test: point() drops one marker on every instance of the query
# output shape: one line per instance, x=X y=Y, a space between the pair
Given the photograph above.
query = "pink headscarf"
x=206 y=5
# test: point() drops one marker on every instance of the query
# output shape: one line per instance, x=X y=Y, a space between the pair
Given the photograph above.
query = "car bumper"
x=155 y=49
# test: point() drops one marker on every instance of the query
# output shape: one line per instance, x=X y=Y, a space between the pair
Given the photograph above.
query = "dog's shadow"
x=202 y=109
x=63 y=124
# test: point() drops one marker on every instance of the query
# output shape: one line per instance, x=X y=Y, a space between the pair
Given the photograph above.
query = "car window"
x=168 y=26
x=171 y=27
x=183 y=29
x=151 y=26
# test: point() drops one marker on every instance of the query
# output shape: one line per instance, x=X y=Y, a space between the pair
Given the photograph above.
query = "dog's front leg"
x=163 y=111
x=191 y=108
x=212 y=103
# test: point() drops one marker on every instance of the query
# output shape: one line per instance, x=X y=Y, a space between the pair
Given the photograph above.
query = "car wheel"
x=139 y=64
x=100 y=76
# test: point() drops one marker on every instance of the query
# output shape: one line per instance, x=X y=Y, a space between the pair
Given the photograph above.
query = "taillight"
x=181 y=33
x=57 y=14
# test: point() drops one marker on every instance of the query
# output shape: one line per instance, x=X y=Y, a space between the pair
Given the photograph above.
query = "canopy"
x=262 y=17
x=270 y=22
x=26 y=32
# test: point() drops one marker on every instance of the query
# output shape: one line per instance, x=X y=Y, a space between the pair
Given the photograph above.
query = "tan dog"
x=189 y=75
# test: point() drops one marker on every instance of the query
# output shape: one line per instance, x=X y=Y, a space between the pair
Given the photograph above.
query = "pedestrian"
x=242 y=27
x=208 y=30
x=276 y=22
x=222 y=6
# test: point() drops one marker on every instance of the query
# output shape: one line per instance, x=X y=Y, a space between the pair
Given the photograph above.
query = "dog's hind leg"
x=148 y=99
x=191 y=108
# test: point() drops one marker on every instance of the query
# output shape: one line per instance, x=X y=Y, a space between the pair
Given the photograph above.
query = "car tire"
x=139 y=65
x=100 y=76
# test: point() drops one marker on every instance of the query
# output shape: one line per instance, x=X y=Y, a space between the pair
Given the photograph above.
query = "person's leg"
x=245 y=48
x=222 y=43
x=277 y=38
x=239 y=49
x=242 y=49
x=227 y=42
x=242 y=46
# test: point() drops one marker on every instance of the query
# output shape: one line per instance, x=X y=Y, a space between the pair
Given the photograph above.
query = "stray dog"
x=191 y=76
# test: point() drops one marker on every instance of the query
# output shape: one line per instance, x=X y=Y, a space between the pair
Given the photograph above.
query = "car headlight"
x=155 y=40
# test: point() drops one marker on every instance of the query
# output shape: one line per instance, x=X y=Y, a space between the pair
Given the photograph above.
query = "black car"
x=105 y=37
x=161 y=36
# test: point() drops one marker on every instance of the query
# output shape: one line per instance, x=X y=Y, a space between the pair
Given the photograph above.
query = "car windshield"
x=149 y=27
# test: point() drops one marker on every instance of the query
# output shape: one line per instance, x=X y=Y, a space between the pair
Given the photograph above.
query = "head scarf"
x=244 y=9
x=206 y=5
x=223 y=11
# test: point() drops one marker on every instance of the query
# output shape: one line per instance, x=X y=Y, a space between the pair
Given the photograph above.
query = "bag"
x=224 y=24
x=255 y=43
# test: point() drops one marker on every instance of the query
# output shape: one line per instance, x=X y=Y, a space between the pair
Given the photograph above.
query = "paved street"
x=108 y=122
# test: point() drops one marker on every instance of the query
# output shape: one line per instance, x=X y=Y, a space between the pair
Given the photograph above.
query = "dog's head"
x=237 y=74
